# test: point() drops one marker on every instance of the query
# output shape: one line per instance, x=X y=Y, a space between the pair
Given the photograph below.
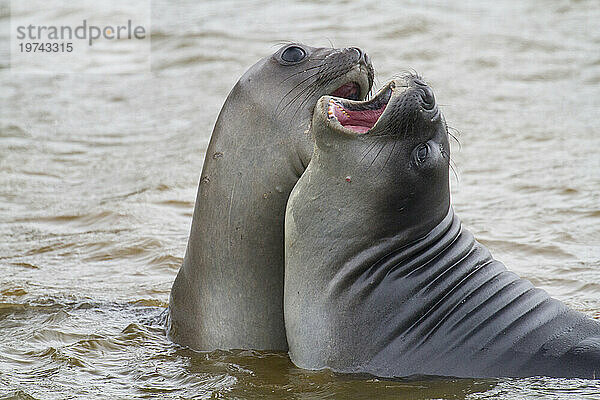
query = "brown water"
x=98 y=176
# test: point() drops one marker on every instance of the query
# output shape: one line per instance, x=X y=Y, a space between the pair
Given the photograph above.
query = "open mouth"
x=350 y=90
x=360 y=116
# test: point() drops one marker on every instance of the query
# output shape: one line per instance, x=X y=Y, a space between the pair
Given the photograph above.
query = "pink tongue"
x=358 y=121
x=357 y=128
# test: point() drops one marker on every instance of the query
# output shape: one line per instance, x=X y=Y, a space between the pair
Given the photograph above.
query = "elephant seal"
x=229 y=291
x=380 y=276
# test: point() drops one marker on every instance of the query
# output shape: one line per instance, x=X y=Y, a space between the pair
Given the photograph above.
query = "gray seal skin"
x=381 y=278
x=229 y=290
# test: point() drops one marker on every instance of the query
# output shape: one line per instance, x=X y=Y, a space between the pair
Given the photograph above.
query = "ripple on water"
x=107 y=350
x=10 y=130
x=17 y=395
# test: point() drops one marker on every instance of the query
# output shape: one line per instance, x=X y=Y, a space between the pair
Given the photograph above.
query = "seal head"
x=394 y=147
x=283 y=88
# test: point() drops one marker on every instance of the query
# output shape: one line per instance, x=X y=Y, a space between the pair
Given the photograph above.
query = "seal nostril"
x=359 y=51
x=427 y=97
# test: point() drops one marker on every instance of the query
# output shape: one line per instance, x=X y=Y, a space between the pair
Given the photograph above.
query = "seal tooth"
x=335 y=105
x=330 y=109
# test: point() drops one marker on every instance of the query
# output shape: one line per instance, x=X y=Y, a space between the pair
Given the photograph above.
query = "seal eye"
x=422 y=152
x=293 y=54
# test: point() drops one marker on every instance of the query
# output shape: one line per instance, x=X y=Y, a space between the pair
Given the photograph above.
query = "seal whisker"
x=448 y=129
x=452 y=165
x=371 y=147
x=377 y=155
x=387 y=159
x=300 y=72
x=294 y=88
x=286 y=42
x=310 y=89
x=310 y=94
x=302 y=82
x=456 y=139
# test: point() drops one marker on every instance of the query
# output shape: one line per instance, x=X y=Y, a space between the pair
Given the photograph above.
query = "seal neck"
x=394 y=254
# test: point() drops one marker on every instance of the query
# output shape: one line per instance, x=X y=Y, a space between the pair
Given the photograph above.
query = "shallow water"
x=98 y=176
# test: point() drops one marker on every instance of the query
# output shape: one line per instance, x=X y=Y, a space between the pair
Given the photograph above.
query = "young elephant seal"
x=382 y=279
x=229 y=290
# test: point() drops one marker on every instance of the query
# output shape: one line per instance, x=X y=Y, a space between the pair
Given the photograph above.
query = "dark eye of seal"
x=422 y=152
x=293 y=54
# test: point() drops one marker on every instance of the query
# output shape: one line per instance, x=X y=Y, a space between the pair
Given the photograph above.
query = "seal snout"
x=395 y=109
x=363 y=58
x=425 y=92
x=351 y=70
x=415 y=105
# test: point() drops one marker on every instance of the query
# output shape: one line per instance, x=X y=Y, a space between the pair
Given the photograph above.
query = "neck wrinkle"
x=369 y=267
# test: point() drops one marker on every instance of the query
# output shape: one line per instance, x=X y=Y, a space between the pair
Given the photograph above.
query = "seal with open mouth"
x=380 y=276
x=229 y=290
